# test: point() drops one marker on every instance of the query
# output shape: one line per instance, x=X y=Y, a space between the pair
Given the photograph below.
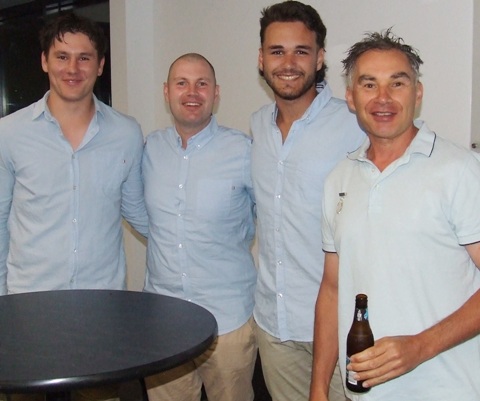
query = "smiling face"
x=72 y=66
x=384 y=94
x=290 y=58
x=191 y=92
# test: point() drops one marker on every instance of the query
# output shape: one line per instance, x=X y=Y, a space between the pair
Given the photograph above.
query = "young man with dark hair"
x=298 y=139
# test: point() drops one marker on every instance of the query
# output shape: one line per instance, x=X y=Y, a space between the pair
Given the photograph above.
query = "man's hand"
x=389 y=358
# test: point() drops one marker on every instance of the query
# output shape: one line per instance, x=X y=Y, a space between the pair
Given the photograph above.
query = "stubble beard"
x=290 y=93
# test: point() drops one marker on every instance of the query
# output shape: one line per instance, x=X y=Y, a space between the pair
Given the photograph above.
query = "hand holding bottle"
x=389 y=358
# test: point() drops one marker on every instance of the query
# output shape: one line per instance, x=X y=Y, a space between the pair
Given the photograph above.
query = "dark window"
x=22 y=80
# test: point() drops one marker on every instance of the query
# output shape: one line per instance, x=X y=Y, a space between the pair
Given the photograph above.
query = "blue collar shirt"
x=61 y=209
x=201 y=224
x=288 y=182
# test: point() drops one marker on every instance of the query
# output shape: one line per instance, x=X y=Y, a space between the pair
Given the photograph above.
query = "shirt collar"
x=200 y=139
x=324 y=94
x=41 y=107
x=423 y=143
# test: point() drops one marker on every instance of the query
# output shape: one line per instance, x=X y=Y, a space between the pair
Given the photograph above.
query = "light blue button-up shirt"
x=61 y=210
x=200 y=206
x=288 y=182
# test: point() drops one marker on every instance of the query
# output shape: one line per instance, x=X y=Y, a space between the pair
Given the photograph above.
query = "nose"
x=72 y=65
x=383 y=95
x=289 y=59
x=192 y=89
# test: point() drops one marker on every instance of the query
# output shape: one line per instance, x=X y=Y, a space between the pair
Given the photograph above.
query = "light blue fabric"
x=288 y=182
x=200 y=206
x=61 y=210
x=398 y=234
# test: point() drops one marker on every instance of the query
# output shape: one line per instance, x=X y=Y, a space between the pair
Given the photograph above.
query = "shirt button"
x=278 y=196
x=180 y=245
x=180 y=186
x=185 y=157
x=74 y=220
x=280 y=295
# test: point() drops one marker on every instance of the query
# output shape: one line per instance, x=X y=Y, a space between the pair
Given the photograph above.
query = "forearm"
x=456 y=328
x=460 y=326
x=6 y=196
x=4 y=246
x=325 y=343
x=392 y=357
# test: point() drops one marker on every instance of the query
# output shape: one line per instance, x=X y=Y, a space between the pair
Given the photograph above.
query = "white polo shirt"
x=398 y=234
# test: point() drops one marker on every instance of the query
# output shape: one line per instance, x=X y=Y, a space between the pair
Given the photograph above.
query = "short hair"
x=385 y=40
x=295 y=11
x=56 y=28
x=192 y=56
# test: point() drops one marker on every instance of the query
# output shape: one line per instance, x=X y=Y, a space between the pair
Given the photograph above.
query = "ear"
x=217 y=94
x=165 y=92
x=349 y=99
x=100 y=67
x=320 y=59
x=260 y=59
x=419 y=94
x=44 y=62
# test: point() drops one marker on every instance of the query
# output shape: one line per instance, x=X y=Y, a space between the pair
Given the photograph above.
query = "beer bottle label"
x=350 y=374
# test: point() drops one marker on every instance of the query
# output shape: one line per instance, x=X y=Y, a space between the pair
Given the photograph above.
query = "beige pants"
x=225 y=369
x=287 y=369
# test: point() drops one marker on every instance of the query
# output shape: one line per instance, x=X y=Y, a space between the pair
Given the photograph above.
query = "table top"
x=60 y=340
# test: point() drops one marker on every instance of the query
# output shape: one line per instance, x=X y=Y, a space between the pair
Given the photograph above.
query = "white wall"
x=147 y=35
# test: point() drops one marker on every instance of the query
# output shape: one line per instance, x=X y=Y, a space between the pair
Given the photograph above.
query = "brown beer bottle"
x=360 y=337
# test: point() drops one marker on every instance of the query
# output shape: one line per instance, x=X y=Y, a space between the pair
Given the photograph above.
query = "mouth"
x=288 y=75
x=72 y=81
x=192 y=104
x=383 y=116
x=383 y=113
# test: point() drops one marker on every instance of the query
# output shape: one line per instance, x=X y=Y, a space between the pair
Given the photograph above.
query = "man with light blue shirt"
x=199 y=199
x=296 y=142
x=69 y=170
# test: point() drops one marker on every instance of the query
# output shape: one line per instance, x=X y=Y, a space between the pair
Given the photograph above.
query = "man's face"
x=383 y=93
x=290 y=58
x=72 y=66
x=191 y=93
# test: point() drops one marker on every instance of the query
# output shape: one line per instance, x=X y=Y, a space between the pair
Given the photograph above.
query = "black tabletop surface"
x=60 y=340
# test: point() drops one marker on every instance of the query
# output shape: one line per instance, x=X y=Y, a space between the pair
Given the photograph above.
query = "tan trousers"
x=225 y=369
x=287 y=369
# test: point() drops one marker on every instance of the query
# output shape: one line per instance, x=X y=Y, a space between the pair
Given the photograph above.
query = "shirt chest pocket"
x=213 y=200
x=106 y=172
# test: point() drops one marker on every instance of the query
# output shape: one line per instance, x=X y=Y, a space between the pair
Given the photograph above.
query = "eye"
x=277 y=52
x=202 y=84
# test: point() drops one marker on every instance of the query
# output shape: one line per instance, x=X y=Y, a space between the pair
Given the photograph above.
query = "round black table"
x=56 y=341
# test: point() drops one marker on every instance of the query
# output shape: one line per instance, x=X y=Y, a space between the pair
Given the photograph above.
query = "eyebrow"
x=180 y=78
x=397 y=75
x=60 y=52
x=280 y=47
